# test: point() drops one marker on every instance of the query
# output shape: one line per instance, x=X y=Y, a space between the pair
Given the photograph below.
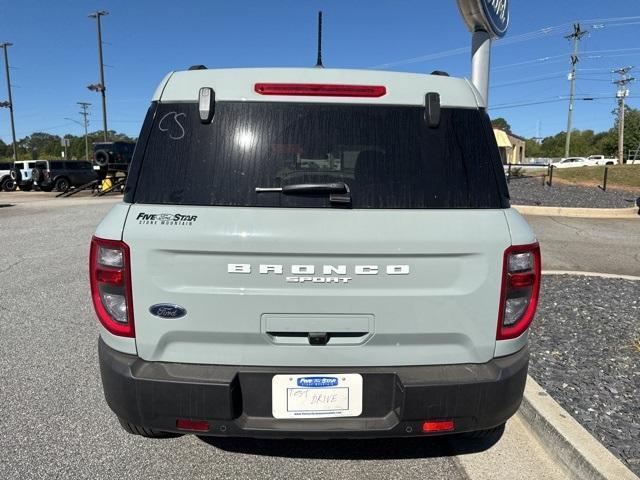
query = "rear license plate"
x=316 y=396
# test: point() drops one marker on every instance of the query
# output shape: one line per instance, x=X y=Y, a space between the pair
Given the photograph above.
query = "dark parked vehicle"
x=62 y=175
x=112 y=157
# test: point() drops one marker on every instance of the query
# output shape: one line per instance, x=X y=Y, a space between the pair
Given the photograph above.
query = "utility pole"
x=9 y=104
x=576 y=36
x=622 y=93
x=100 y=87
x=85 y=115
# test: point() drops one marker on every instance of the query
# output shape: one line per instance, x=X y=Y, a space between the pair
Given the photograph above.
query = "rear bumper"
x=236 y=400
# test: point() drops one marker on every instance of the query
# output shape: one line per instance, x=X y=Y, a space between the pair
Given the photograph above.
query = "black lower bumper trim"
x=236 y=400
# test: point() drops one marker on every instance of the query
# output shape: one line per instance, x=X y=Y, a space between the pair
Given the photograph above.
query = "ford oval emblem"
x=167 y=310
x=497 y=14
x=491 y=16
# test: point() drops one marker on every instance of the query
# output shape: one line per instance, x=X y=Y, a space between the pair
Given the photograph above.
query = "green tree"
x=501 y=124
x=40 y=145
x=631 y=130
x=533 y=148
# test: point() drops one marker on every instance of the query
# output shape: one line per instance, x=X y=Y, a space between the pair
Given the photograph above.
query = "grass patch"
x=624 y=177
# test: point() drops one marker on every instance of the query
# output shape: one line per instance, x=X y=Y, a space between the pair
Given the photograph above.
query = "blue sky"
x=54 y=54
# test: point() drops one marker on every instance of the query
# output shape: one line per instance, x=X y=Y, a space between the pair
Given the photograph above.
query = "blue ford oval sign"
x=497 y=13
x=491 y=16
x=167 y=310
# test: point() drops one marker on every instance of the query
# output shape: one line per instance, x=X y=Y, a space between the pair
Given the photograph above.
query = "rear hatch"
x=406 y=273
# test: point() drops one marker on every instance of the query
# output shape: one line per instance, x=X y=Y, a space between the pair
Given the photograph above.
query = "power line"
x=550 y=76
x=585 y=54
x=524 y=37
x=559 y=98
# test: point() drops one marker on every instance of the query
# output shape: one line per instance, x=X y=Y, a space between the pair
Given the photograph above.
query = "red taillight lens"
x=320 y=90
x=192 y=425
x=110 y=276
x=520 y=289
x=438 y=426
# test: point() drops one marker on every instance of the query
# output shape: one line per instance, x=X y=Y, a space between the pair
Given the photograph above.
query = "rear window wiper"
x=339 y=192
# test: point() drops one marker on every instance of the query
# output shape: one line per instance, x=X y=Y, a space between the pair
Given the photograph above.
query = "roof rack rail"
x=440 y=73
x=198 y=67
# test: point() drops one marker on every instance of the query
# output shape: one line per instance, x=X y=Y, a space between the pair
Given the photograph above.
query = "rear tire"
x=7 y=185
x=62 y=184
x=488 y=433
x=145 y=432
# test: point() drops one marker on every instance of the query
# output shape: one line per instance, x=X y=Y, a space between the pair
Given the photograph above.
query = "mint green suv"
x=314 y=253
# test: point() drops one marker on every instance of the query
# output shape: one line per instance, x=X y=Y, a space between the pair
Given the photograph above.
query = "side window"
x=56 y=165
x=31 y=165
x=71 y=165
x=5 y=166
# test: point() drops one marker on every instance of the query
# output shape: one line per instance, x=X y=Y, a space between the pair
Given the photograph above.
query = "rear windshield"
x=387 y=155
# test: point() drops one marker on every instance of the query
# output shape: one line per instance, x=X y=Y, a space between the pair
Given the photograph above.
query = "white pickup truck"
x=601 y=160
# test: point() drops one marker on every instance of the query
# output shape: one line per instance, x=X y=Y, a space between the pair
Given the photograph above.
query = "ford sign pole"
x=486 y=20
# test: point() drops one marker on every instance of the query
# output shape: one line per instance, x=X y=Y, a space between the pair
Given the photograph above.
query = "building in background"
x=512 y=147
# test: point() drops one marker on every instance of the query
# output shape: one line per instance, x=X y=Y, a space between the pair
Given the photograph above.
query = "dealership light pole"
x=100 y=87
x=486 y=20
x=9 y=104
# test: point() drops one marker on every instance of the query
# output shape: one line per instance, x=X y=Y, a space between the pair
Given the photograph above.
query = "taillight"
x=520 y=290
x=320 y=90
x=110 y=276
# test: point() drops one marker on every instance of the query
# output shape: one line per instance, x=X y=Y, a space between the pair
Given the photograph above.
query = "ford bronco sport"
x=314 y=253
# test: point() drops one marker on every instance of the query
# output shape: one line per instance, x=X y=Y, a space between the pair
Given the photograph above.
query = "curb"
x=566 y=440
x=629 y=212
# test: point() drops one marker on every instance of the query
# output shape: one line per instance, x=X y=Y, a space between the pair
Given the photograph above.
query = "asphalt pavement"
x=589 y=244
x=54 y=422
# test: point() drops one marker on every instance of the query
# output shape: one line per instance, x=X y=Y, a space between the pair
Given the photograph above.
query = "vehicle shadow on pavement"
x=374 y=449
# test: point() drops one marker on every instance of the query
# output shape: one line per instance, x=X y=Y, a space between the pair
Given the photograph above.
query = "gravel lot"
x=583 y=354
x=530 y=191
